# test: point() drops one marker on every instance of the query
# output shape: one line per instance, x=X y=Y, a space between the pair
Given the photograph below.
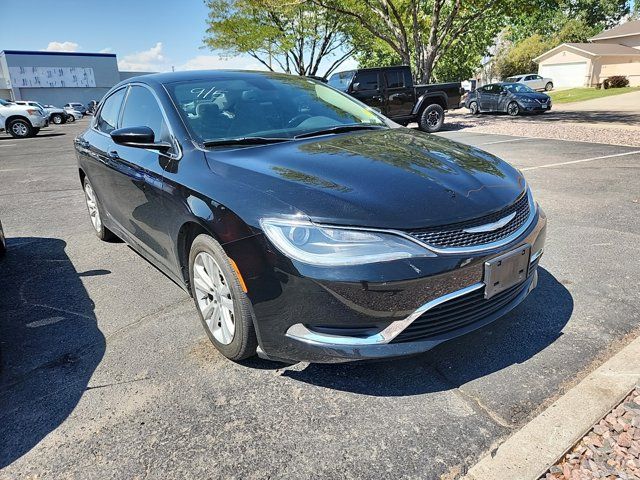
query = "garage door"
x=565 y=74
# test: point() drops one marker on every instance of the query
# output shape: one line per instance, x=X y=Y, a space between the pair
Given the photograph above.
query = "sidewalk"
x=528 y=453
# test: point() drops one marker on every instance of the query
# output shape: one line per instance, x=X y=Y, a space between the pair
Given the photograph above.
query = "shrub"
x=616 y=81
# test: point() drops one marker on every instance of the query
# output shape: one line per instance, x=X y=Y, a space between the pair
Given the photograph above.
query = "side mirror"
x=140 y=137
x=355 y=87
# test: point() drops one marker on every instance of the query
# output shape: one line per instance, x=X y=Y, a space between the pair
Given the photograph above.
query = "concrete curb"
x=529 y=452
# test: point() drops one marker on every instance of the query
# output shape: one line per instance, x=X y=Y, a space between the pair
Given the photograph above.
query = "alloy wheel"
x=57 y=119
x=513 y=109
x=20 y=129
x=92 y=205
x=214 y=298
x=433 y=118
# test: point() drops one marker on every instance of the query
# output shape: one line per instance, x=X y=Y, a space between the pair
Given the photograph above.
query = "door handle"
x=113 y=155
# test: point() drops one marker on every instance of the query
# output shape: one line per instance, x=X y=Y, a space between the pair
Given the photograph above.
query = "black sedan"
x=305 y=225
x=512 y=98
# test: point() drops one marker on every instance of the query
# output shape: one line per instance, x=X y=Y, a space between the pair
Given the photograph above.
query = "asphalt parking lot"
x=107 y=372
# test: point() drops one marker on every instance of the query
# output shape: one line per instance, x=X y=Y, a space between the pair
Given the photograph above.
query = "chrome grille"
x=454 y=236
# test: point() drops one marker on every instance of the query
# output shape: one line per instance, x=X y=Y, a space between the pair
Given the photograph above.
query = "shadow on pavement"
x=49 y=339
x=528 y=329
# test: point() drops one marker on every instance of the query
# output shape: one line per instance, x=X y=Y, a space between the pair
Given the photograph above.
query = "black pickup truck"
x=391 y=90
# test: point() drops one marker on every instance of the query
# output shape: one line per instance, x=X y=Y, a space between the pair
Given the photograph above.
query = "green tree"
x=421 y=32
x=518 y=58
x=293 y=36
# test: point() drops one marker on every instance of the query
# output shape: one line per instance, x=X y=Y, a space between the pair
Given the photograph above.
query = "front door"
x=367 y=87
x=138 y=176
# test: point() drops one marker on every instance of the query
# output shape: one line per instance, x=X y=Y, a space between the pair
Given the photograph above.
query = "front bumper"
x=329 y=316
x=534 y=107
x=38 y=121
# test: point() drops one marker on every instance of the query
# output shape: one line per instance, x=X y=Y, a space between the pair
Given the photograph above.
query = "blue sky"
x=146 y=35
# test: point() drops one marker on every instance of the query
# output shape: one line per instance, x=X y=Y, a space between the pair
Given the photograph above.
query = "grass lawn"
x=581 y=94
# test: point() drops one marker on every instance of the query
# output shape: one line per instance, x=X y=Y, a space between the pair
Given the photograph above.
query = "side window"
x=108 y=119
x=530 y=77
x=538 y=77
x=142 y=110
x=367 y=81
x=395 y=79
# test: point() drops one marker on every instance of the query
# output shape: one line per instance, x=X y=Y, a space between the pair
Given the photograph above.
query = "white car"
x=54 y=114
x=21 y=121
x=533 y=81
x=75 y=106
x=73 y=114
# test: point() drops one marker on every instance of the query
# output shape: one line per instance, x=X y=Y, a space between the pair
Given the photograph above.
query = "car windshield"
x=252 y=107
x=517 y=88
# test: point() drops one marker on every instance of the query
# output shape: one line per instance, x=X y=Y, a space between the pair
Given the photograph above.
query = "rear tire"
x=93 y=206
x=20 y=129
x=513 y=109
x=548 y=87
x=71 y=119
x=57 y=119
x=431 y=118
x=473 y=108
x=223 y=306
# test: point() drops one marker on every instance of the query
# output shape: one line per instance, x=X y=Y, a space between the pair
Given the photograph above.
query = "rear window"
x=341 y=80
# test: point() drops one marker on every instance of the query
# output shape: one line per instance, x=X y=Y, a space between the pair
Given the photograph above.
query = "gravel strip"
x=554 y=127
x=611 y=450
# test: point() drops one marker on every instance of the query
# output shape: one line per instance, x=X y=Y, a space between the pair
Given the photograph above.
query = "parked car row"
x=25 y=118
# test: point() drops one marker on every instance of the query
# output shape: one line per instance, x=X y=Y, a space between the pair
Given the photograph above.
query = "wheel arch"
x=430 y=99
x=17 y=117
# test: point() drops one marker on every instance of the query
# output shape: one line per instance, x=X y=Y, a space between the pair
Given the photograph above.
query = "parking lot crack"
x=486 y=410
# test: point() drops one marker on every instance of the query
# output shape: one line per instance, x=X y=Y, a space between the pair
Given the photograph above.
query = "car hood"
x=392 y=178
x=534 y=95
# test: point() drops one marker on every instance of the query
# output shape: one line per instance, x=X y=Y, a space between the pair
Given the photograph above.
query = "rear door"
x=367 y=87
x=94 y=146
x=138 y=174
x=399 y=92
x=487 y=98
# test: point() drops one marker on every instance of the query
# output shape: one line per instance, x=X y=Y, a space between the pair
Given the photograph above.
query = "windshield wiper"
x=244 y=141
x=338 y=129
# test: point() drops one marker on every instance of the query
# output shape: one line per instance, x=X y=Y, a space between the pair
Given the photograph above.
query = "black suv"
x=392 y=92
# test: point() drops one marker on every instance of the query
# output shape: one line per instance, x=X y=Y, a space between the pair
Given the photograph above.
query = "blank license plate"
x=505 y=271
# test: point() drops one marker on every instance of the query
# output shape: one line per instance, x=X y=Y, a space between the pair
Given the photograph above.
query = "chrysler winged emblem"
x=490 y=227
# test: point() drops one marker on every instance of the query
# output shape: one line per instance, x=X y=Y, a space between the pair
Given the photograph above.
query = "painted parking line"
x=7 y=144
x=580 y=161
x=510 y=140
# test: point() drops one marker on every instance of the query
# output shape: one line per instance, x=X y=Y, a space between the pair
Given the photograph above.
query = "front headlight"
x=331 y=246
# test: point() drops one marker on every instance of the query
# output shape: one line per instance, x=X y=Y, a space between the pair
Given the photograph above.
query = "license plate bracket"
x=505 y=271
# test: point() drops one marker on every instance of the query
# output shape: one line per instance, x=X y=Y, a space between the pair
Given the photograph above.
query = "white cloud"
x=106 y=50
x=212 y=62
x=148 y=60
x=62 y=47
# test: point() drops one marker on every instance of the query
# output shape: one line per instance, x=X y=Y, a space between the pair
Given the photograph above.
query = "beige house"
x=612 y=52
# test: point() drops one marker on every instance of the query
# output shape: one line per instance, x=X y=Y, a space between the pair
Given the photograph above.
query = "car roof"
x=194 y=75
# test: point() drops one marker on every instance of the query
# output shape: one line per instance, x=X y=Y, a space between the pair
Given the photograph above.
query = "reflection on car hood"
x=395 y=178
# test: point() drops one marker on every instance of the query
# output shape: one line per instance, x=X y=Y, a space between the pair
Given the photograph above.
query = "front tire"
x=473 y=108
x=513 y=109
x=548 y=87
x=93 y=206
x=57 y=119
x=222 y=304
x=71 y=119
x=431 y=118
x=20 y=129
